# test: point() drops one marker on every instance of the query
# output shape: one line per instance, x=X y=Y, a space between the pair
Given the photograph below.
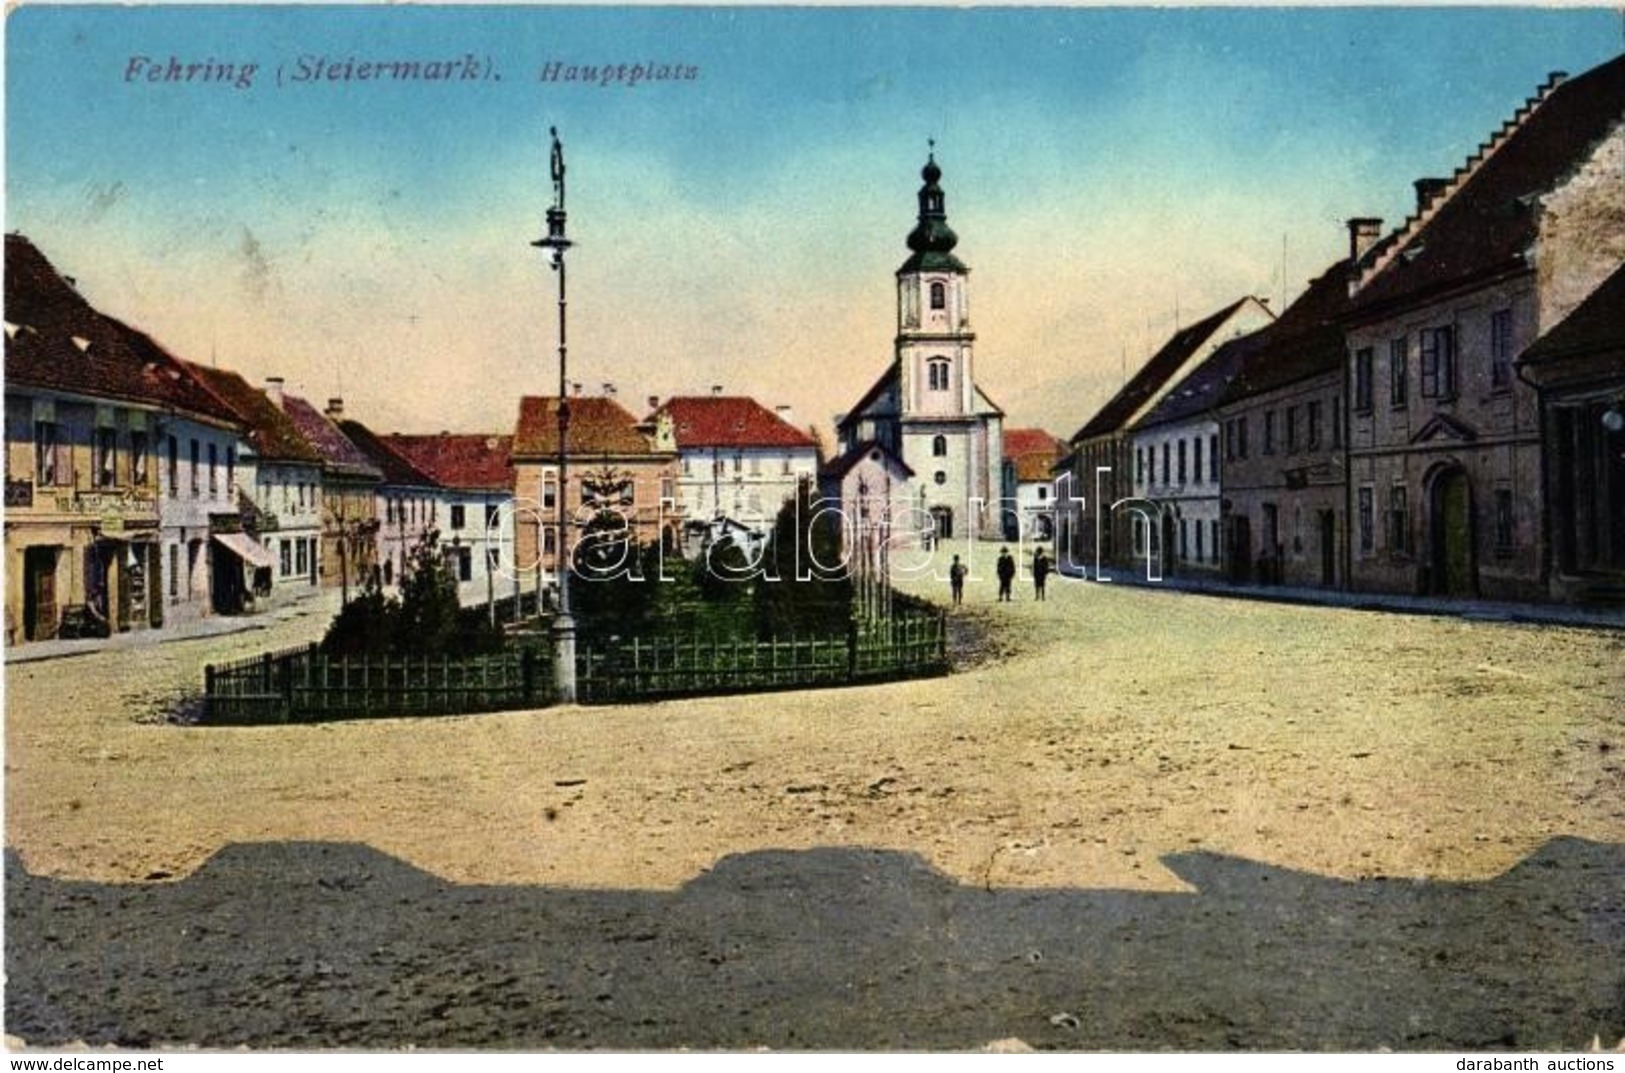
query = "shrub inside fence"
x=299 y=685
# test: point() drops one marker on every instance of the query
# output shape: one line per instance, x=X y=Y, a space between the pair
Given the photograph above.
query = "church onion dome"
x=932 y=240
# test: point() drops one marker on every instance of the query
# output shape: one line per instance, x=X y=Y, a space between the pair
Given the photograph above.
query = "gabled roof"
x=1033 y=451
x=395 y=466
x=1307 y=340
x=842 y=464
x=732 y=421
x=271 y=432
x=1144 y=385
x=598 y=426
x=886 y=383
x=62 y=343
x=467 y=462
x=1595 y=325
x=1487 y=219
x=340 y=457
x=1201 y=390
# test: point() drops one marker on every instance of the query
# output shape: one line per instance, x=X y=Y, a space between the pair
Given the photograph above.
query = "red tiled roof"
x=1033 y=451
x=271 y=432
x=729 y=421
x=69 y=346
x=469 y=462
x=339 y=456
x=1486 y=225
x=598 y=426
x=1145 y=384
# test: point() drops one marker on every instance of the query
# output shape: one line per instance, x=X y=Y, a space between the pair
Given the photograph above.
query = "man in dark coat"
x=1040 y=572
x=1007 y=573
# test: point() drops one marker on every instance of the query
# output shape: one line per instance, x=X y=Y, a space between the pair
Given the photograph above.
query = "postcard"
x=609 y=528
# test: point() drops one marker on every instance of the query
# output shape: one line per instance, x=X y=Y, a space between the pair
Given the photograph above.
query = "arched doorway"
x=1452 y=566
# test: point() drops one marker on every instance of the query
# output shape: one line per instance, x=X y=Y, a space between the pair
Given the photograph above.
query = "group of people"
x=1006 y=571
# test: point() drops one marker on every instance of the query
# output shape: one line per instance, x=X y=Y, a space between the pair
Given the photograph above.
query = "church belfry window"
x=937 y=374
x=939 y=446
x=939 y=296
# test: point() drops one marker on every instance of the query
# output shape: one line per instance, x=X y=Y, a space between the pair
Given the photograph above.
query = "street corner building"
x=121 y=470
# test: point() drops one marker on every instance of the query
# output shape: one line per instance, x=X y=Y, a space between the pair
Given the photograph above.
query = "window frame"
x=1399 y=372
x=1362 y=380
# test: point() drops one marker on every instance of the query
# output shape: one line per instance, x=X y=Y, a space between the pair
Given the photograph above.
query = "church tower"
x=934 y=338
x=926 y=409
x=949 y=432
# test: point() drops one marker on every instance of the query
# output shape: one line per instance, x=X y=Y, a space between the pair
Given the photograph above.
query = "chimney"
x=785 y=414
x=575 y=387
x=654 y=403
x=335 y=408
x=273 y=390
x=716 y=389
x=609 y=389
x=1427 y=190
x=1363 y=234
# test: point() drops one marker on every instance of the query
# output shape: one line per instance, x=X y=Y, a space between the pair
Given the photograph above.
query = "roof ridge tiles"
x=1462 y=174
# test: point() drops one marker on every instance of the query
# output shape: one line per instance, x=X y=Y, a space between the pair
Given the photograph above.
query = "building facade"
x=739 y=463
x=1445 y=442
x=1578 y=369
x=615 y=464
x=475 y=475
x=91 y=407
x=1285 y=506
x=1030 y=456
x=349 y=502
x=1105 y=467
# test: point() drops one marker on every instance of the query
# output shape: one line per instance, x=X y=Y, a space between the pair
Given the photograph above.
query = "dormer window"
x=937 y=374
x=939 y=296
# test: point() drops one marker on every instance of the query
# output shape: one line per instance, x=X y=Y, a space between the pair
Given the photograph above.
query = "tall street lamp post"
x=564 y=627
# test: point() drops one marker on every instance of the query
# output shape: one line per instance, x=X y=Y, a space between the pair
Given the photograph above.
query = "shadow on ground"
x=317 y=945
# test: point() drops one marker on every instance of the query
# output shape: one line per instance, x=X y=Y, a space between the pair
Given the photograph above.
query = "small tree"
x=813 y=590
x=429 y=609
x=366 y=626
x=425 y=621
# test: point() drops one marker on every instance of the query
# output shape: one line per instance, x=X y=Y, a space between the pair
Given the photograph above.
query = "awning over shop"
x=246 y=548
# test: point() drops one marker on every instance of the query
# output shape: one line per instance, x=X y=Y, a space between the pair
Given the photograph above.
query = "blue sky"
x=1103 y=167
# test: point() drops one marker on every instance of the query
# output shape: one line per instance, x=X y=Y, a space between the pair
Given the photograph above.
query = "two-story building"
x=1284 y=507
x=95 y=416
x=1445 y=441
x=349 y=500
x=1102 y=466
x=614 y=463
x=1578 y=367
x=408 y=503
x=739 y=462
x=278 y=486
x=475 y=477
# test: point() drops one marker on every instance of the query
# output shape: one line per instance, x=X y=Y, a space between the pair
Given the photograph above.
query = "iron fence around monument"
x=306 y=685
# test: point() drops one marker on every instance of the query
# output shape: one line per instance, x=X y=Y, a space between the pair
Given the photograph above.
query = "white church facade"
x=926 y=409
